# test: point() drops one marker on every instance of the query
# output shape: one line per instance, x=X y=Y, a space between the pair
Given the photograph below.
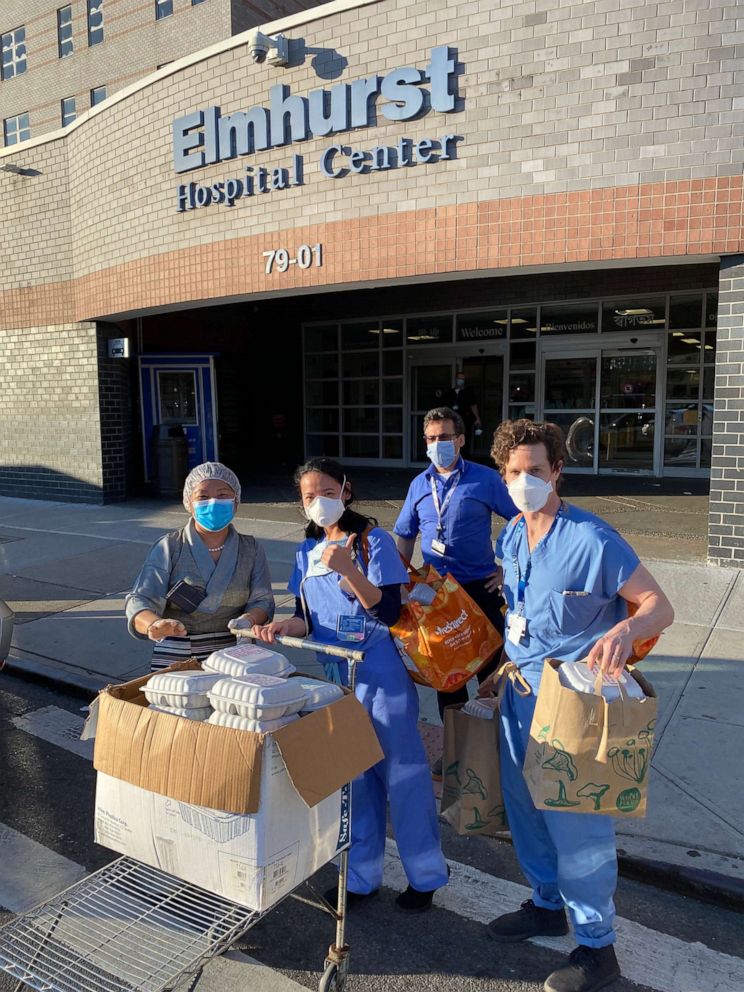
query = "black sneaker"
x=352 y=898
x=587 y=970
x=528 y=921
x=414 y=901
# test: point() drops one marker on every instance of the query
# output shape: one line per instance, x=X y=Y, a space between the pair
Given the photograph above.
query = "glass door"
x=430 y=381
x=484 y=374
x=627 y=411
x=570 y=400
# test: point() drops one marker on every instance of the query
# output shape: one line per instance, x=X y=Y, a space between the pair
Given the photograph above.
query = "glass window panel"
x=363 y=334
x=163 y=8
x=683 y=384
x=706 y=420
x=321 y=366
x=321 y=393
x=709 y=382
x=570 y=383
x=523 y=323
x=522 y=387
x=177 y=397
x=16 y=129
x=392 y=333
x=628 y=382
x=487 y=326
x=322 y=338
x=320 y=444
x=685 y=347
x=195 y=2
x=686 y=311
x=95 y=22
x=362 y=392
x=392 y=390
x=626 y=441
x=361 y=421
x=392 y=446
x=711 y=309
x=392 y=363
x=428 y=330
x=634 y=314
x=323 y=420
x=64 y=31
x=97 y=95
x=522 y=355
x=705 y=446
x=361 y=447
x=361 y=364
x=682 y=419
x=13 y=45
x=571 y=318
x=68 y=110
x=519 y=411
x=709 y=346
x=392 y=420
x=578 y=429
x=681 y=451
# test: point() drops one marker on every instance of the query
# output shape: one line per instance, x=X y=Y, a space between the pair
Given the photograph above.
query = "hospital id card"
x=517 y=629
x=439 y=547
x=351 y=628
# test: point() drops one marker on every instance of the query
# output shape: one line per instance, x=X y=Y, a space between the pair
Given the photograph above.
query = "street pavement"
x=666 y=942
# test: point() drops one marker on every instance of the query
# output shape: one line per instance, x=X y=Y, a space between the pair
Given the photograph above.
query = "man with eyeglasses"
x=451 y=505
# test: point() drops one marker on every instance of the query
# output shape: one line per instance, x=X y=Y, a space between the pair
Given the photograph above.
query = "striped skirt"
x=199 y=646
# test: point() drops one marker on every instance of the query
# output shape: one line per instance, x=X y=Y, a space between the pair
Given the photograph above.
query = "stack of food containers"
x=184 y=694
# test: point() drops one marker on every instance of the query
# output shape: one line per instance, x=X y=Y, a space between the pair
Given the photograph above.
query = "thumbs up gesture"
x=338 y=557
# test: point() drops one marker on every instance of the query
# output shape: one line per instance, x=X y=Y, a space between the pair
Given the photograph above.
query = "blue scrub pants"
x=402 y=778
x=568 y=858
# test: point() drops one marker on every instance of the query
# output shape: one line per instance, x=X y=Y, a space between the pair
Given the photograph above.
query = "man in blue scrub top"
x=568 y=580
x=451 y=505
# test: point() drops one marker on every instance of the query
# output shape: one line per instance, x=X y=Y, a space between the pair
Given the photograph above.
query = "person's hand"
x=268 y=631
x=243 y=622
x=495 y=580
x=611 y=652
x=338 y=557
x=160 y=629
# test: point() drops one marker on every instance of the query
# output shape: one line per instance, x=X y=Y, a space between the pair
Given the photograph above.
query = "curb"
x=697 y=883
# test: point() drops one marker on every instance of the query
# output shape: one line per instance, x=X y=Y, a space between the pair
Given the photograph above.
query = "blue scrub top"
x=325 y=600
x=581 y=555
x=480 y=492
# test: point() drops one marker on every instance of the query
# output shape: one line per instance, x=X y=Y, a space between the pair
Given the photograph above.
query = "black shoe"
x=413 y=901
x=352 y=898
x=587 y=970
x=528 y=921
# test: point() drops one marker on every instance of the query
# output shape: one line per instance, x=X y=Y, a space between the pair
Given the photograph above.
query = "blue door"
x=180 y=389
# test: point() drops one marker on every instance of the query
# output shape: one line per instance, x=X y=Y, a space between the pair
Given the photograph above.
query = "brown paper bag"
x=471 y=780
x=586 y=755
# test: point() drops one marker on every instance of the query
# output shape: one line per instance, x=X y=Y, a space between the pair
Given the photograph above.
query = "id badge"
x=439 y=547
x=517 y=628
x=351 y=628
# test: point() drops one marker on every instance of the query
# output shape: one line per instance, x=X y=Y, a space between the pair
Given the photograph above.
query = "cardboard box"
x=248 y=816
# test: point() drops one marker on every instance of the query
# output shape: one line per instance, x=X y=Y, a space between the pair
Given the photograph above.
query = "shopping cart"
x=133 y=928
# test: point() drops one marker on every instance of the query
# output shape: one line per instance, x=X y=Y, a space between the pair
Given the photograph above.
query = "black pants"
x=490 y=603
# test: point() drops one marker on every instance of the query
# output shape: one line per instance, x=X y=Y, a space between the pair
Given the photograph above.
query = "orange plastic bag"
x=443 y=637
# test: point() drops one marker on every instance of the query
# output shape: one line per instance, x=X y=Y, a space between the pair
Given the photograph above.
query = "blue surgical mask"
x=214 y=514
x=441 y=453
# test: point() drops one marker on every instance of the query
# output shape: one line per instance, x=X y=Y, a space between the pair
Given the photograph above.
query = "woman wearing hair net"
x=199 y=583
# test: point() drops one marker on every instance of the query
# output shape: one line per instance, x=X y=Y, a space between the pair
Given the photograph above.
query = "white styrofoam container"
x=255 y=726
x=254 y=859
x=484 y=709
x=259 y=697
x=248 y=659
x=318 y=693
x=194 y=713
x=180 y=690
x=576 y=675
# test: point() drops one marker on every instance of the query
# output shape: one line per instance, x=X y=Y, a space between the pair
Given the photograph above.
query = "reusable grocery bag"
x=471 y=780
x=588 y=755
x=443 y=637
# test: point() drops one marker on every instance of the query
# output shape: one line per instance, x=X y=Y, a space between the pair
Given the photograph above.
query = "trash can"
x=7 y=617
x=170 y=459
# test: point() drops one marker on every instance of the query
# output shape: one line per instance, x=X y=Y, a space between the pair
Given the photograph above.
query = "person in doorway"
x=451 y=505
x=346 y=581
x=568 y=580
x=199 y=582
x=462 y=399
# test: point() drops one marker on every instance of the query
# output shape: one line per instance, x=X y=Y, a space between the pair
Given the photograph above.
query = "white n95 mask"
x=325 y=511
x=529 y=494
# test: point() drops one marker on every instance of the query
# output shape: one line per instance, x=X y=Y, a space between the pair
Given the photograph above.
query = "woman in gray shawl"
x=200 y=583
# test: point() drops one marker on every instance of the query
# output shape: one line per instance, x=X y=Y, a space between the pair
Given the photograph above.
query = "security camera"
x=263 y=46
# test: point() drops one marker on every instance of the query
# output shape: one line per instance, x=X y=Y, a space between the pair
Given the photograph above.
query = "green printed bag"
x=587 y=755
x=471 y=781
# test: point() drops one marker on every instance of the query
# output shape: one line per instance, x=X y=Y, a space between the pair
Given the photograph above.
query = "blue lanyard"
x=447 y=499
x=522 y=580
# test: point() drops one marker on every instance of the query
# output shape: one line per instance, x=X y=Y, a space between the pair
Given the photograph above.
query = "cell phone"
x=186 y=596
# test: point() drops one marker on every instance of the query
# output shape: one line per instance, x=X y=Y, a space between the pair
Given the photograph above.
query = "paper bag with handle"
x=588 y=755
x=443 y=637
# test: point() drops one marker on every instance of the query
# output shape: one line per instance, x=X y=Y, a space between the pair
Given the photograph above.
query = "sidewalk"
x=65 y=570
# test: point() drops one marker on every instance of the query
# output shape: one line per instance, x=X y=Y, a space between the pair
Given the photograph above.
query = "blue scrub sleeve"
x=295 y=579
x=387 y=611
x=407 y=524
x=619 y=561
x=385 y=566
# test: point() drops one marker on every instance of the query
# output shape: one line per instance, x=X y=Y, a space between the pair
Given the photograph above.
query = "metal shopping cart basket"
x=133 y=928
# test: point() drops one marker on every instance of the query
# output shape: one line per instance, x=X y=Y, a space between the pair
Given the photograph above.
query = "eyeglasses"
x=431 y=438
